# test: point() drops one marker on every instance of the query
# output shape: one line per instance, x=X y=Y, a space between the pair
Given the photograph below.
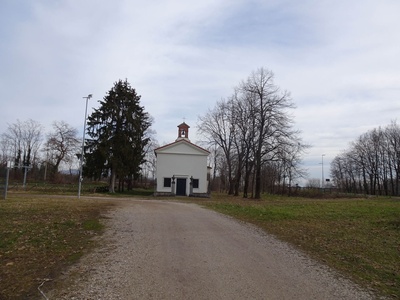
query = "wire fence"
x=46 y=188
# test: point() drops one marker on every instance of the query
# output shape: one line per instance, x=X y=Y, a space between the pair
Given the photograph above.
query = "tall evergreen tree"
x=118 y=135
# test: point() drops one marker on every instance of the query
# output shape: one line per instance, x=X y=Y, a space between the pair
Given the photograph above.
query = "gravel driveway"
x=170 y=250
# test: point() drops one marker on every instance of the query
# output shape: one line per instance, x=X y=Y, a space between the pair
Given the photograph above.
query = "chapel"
x=181 y=167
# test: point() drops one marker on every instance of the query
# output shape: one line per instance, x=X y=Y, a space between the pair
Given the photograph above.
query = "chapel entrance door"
x=181 y=186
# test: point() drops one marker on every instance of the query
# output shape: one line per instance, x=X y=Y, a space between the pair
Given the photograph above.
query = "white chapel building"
x=181 y=167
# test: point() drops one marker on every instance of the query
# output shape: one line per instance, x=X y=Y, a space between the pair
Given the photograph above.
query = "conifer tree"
x=118 y=135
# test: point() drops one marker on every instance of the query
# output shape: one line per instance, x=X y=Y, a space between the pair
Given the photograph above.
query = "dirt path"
x=169 y=250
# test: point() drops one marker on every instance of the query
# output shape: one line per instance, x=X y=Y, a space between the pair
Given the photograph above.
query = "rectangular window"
x=195 y=183
x=167 y=182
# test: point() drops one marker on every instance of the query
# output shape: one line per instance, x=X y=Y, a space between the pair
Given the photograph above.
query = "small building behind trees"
x=181 y=167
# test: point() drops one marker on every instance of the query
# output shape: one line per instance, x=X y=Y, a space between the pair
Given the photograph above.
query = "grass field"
x=358 y=237
x=41 y=235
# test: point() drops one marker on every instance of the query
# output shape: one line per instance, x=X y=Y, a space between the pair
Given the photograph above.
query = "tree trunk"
x=111 y=187
x=238 y=177
x=247 y=180
x=257 y=194
x=231 y=186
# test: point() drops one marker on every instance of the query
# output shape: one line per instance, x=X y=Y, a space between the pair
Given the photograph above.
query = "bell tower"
x=183 y=131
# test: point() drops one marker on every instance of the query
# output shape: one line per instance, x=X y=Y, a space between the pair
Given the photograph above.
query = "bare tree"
x=218 y=128
x=244 y=139
x=148 y=167
x=272 y=121
x=23 y=140
x=290 y=158
x=372 y=163
x=313 y=183
x=62 y=144
x=5 y=150
x=254 y=130
x=392 y=134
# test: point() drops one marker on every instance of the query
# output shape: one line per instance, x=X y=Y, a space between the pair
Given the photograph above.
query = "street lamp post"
x=83 y=147
x=322 y=183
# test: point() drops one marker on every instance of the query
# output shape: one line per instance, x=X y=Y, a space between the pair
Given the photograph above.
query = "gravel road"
x=170 y=250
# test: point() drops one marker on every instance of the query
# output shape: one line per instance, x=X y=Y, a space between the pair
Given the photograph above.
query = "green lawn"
x=359 y=237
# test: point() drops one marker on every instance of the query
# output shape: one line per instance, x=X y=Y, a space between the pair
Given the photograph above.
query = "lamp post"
x=322 y=182
x=83 y=147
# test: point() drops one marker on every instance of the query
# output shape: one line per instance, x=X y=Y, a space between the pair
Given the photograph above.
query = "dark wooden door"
x=181 y=187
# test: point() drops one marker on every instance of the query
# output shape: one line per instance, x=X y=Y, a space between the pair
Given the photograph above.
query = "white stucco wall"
x=182 y=161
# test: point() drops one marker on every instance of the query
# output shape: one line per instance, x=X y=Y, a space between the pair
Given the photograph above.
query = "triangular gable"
x=182 y=147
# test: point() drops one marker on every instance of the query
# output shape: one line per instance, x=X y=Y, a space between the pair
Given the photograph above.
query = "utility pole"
x=83 y=147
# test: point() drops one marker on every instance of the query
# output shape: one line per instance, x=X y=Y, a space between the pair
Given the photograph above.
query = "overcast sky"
x=339 y=59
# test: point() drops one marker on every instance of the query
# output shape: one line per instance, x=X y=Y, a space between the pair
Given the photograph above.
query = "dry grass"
x=40 y=236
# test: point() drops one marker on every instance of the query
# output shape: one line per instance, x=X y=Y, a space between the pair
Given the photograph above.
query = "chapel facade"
x=181 y=167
